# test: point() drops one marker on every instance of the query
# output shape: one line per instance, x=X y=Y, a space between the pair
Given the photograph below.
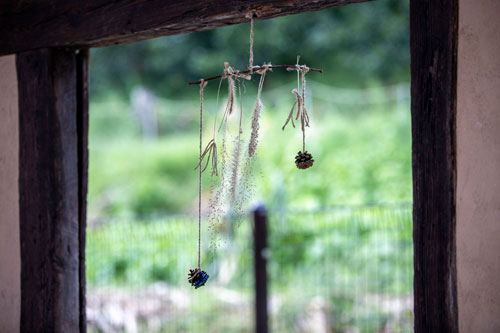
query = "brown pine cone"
x=304 y=160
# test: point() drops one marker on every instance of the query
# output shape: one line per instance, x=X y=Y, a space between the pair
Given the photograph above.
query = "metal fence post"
x=260 y=268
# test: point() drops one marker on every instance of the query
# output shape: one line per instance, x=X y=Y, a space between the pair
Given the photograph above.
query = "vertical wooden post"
x=82 y=88
x=52 y=121
x=260 y=261
x=433 y=44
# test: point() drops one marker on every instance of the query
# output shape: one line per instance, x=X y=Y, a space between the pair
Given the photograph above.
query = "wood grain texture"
x=48 y=189
x=260 y=268
x=32 y=24
x=433 y=44
x=82 y=91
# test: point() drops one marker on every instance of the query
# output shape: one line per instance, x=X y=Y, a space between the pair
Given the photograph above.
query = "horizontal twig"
x=255 y=69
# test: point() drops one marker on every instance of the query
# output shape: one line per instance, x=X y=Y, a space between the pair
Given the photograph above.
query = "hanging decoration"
x=197 y=277
x=234 y=182
x=303 y=160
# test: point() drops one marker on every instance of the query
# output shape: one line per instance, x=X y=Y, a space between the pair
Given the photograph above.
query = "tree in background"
x=356 y=46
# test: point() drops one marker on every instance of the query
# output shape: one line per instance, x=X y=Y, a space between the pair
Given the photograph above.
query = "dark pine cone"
x=197 y=277
x=304 y=160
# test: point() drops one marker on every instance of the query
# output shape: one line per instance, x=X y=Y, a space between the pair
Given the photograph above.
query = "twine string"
x=217 y=107
x=304 y=117
x=210 y=151
x=250 y=58
x=202 y=86
x=241 y=107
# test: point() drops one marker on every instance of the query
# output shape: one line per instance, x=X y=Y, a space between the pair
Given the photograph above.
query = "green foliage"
x=345 y=256
x=355 y=45
x=360 y=140
x=131 y=254
x=363 y=154
x=130 y=177
x=340 y=254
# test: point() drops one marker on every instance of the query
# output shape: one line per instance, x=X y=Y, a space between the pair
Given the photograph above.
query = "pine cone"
x=197 y=278
x=304 y=160
x=193 y=274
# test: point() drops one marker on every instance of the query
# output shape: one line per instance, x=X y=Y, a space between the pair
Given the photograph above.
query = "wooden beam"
x=27 y=25
x=433 y=44
x=48 y=189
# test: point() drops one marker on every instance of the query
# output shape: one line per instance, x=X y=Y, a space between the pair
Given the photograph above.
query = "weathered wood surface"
x=82 y=104
x=31 y=24
x=48 y=189
x=433 y=43
x=260 y=268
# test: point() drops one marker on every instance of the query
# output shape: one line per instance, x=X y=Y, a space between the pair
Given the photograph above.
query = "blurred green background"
x=359 y=107
x=359 y=45
x=348 y=216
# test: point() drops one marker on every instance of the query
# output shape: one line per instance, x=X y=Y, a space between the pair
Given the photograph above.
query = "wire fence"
x=346 y=269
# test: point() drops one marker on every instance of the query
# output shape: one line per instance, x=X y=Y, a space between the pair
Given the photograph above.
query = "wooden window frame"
x=51 y=40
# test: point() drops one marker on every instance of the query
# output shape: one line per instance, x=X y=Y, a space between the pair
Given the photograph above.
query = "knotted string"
x=250 y=58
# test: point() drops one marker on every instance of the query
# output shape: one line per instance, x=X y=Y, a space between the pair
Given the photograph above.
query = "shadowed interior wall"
x=478 y=166
x=10 y=257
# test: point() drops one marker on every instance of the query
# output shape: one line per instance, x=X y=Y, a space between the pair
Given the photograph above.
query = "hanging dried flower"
x=211 y=154
x=303 y=160
x=235 y=182
x=252 y=146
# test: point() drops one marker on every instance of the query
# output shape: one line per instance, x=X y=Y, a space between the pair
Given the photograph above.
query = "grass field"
x=362 y=153
x=340 y=249
x=351 y=265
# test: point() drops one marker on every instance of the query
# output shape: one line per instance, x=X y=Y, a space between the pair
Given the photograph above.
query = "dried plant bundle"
x=252 y=146
x=231 y=88
x=235 y=163
x=210 y=153
x=236 y=184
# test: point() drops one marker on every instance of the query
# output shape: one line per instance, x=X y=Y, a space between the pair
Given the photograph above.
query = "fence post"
x=260 y=268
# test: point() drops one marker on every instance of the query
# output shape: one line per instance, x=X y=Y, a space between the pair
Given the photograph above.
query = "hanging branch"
x=256 y=68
